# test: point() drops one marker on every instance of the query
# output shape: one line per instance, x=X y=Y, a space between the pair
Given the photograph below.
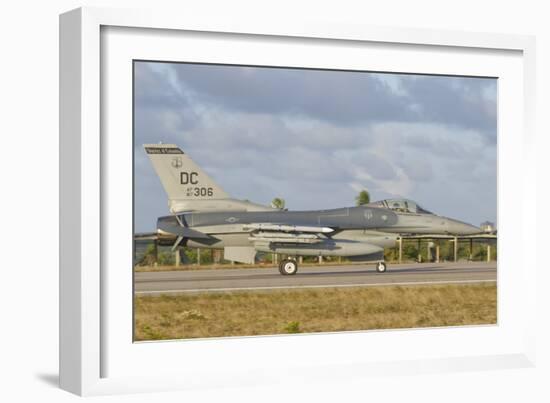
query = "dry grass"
x=313 y=310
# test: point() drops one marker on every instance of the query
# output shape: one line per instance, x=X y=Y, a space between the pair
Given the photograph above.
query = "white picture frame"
x=93 y=351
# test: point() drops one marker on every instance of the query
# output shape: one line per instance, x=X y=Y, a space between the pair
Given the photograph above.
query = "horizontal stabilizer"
x=176 y=229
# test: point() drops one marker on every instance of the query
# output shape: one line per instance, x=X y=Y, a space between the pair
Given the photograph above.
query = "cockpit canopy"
x=401 y=206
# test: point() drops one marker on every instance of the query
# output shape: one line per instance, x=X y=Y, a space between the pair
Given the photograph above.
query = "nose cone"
x=461 y=228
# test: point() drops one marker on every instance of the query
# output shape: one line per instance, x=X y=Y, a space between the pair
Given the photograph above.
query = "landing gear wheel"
x=380 y=267
x=288 y=267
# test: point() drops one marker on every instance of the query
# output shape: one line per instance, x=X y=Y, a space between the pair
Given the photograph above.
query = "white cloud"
x=393 y=81
x=314 y=162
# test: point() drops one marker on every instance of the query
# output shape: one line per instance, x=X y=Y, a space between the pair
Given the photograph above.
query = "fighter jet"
x=205 y=216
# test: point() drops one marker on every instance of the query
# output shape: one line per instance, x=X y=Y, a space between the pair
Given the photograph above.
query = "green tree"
x=149 y=256
x=278 y=203
x=362 y=198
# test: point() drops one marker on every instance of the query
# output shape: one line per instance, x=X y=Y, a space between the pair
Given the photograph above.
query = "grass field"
x=313 y=310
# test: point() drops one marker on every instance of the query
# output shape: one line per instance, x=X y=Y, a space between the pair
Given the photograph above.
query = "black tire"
x=288 y=267
x=281 y=267
x=381 y=267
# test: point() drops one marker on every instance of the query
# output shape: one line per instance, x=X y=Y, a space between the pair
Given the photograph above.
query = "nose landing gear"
x=381 y=267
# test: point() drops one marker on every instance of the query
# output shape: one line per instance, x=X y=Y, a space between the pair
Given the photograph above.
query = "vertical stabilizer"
x=181 y=178
x=188 y=187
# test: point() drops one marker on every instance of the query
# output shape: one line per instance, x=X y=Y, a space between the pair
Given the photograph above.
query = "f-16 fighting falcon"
x=205 y=216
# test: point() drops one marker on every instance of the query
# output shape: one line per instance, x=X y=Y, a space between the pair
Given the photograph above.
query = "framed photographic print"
x=313 y=146
x=247 y=199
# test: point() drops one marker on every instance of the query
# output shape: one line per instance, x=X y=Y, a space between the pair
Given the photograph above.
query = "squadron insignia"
x=176 y=163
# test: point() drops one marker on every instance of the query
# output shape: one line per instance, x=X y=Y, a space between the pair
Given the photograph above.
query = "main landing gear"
x=288 y=267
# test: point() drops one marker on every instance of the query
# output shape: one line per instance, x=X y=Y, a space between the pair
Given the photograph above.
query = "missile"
x=286 y=228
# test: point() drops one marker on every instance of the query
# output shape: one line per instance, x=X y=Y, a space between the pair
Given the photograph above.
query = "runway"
x=364 y=275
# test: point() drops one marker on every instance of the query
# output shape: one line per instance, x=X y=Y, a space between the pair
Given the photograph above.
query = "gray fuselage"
x=372 y=224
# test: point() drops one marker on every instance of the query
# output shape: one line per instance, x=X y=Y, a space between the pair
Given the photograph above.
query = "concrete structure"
x=454 y=239
x=433 y=245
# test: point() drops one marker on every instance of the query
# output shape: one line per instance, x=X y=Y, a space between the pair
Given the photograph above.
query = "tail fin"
x=181 y=178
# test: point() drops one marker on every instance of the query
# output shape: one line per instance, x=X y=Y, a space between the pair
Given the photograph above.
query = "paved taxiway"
x=193 y=281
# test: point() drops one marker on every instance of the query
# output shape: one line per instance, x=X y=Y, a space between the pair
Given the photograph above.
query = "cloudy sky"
x=317 y=137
